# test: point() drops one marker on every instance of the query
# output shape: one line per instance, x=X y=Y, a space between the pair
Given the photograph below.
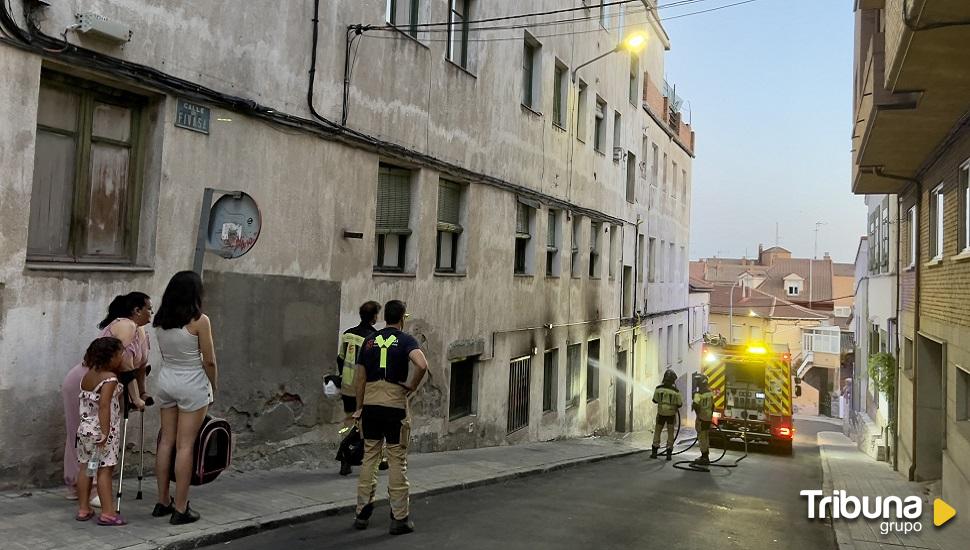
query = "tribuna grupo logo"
x=898 y=514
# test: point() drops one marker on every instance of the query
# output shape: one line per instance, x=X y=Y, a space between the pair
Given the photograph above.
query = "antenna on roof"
x=777 y=235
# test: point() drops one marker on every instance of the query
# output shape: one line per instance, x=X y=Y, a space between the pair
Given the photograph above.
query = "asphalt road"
x=632 y=502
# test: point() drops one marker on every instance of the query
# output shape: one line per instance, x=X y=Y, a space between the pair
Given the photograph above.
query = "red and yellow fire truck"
x=752 y=386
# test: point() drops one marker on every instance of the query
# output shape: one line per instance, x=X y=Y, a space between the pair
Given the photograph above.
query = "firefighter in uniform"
x=350 y=343
x=704 y=409
x=383 y=387
x=668 y=400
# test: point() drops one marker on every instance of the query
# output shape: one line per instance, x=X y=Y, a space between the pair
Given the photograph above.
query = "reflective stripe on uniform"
x=350 y=343
x=384 y=345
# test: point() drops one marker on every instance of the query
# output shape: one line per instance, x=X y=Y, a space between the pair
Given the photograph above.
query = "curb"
x=303 y=515
x=843 y=536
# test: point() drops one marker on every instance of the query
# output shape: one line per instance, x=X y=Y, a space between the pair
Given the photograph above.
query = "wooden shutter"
x=449 y=207
x=393 y=200
x=55 y=161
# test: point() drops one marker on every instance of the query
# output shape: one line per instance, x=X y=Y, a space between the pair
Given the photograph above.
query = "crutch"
x=124 y=437
x=141 y=454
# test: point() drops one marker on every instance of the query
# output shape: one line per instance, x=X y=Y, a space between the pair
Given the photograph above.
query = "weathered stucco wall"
x=309 y=191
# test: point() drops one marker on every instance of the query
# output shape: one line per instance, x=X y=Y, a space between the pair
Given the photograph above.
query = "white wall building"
x=536 y=224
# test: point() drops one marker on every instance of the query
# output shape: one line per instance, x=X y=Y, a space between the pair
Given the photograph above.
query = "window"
x=824 y=340
x=794 y=287
x=403 y=14
x=936 y=222
x=671 y=262
x=530 y=68
x=550 y=379
x=640 y=254
x=681 y=256
x=581 y=112
x=616 y=132
x=594 y=249
x=680 y=343
x=963 y=394
x=912 y=227
x=574 y=248
x=631 y=177
x=458 y=32
x=449 y=226
x=604 y=12
x=652 y=260
x=599 y=125
x=669 y=357
x=634 y=76
x=874 y=241
x=965 y=207
x=884 y=238
x=518 y=417
x=673 y=188
x=644 y=155
x=655 y=167
x=393 y=218
x=842 y=311
x=524 y=222
x=559 y=94
x=660 y=261
x=84 y=202
x=593 y=370
x=461 y=391
x=908 y=355
x=683 y=182
x=573 y=357
x=756 y=333
x=614 y=249
x=553 y=242
x=663 y=176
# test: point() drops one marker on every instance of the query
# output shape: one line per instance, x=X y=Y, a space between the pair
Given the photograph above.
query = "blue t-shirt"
x=398 y=353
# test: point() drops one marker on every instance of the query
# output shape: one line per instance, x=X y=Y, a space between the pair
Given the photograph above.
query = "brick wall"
x=655 y=100
x=945 y=288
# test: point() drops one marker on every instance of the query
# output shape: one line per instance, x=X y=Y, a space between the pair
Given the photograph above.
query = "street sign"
x=192 y=116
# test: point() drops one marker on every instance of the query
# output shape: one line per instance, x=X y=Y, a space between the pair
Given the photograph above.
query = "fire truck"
x=752 y=386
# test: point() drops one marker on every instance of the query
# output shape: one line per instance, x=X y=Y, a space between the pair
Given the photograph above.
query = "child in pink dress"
x=99 y=431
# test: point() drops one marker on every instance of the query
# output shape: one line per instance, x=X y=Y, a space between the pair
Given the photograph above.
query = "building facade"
x=911 y=141
x=534 y=218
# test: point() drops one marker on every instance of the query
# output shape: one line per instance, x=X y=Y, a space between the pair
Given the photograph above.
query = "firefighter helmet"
x=703 y=384
x=670 y=378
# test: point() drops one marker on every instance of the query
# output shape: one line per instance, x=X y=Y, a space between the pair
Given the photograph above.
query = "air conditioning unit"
x=617 y=154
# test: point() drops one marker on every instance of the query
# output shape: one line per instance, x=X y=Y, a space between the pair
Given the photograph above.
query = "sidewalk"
x=847 y=468
x=241 y=504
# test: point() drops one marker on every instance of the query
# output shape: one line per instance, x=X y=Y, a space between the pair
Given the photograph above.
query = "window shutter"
x=522 y=221
x=449 y=206
x=551 y=231
x=393 y=200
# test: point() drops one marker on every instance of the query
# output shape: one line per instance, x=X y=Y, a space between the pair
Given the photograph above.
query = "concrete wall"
x=311 y=189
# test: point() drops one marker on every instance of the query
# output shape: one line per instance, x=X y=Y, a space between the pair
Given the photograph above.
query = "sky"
x=769 y=86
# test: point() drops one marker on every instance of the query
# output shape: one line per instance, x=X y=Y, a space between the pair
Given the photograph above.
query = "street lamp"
x=634 y=42
x=731 y=311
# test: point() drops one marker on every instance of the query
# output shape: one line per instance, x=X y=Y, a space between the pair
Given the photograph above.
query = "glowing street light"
x=634 y=42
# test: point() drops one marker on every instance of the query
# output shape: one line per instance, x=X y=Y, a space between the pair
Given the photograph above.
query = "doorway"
x=621 y=394
x=930 y=412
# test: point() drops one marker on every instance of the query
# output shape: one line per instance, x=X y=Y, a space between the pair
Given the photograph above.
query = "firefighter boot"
x=704 y=460
x=401 y=526
x=670 y=453
x=363 y=517
x=653 y=452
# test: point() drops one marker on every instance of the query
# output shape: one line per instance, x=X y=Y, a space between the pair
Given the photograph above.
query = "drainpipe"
x=895 y=402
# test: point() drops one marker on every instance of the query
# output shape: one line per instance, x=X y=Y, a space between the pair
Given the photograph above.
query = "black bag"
x=212 y=452
x=351 y=449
